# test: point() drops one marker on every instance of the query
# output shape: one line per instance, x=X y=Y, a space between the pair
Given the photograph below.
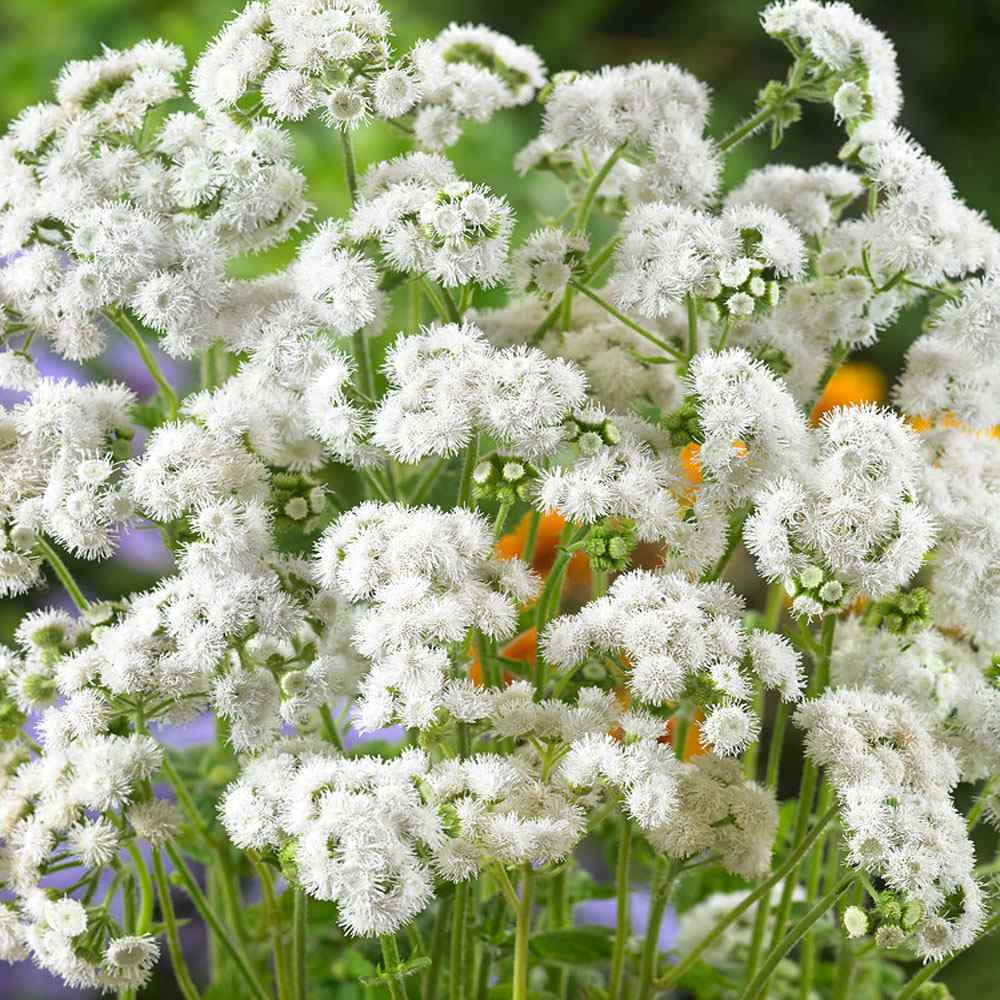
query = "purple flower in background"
x=602 y=913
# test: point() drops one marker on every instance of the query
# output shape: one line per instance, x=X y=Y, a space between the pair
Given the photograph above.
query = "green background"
x=947 y=54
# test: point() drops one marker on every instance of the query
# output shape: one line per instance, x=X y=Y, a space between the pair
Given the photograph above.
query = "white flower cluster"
x=306 y=409
x=847 y=50
x=292 y=56
x=53 y=807
x=962 y=489
x=427 y=220
x=631 y=412
x=810 y=199
x=653 y=112
x=947 y=679
x=428 y=577
x=61 y=456
x=448 y=383
x=614 y=357
x=670 y=634
x=855 y=524
x=751 y=428
x=323 y=806
x=469 y=71
x=893 y=782
x=735 y=259
x=98 y=224
x=954 y=368
x=622 y=478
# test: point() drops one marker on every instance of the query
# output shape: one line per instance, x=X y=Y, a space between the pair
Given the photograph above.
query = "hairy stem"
x=218 y=929
x=663 y=880
x=300 y=913
x=390 y=955
x=522 y=931
x=457 y=956
x=622 y=922
x=144 y=920
x=759 y=982
x=692 y=318
x=184 y=982
x=465 y=482
x=740 y=908
x=587 y=204
x=275 y=931
x=61 y=570
x=439 y=940
x=630 y=323
x=350 y=168
x=124 y=323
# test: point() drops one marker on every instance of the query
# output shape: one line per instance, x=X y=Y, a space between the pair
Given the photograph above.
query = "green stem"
x=187 y=804
x=548 y=602
x=759 y=983
x=456 y=958
x=494 y=924
x=601 y=258
x=215 y=923
x=663 y=879
x=414 y=307
x=807 y=960
x=630 y=323
x=945 y=293
x=522 y=931
x=145 y=918
x=70 y=585
x=547 y=323
x=350 y=169
x=933 y=968
x=762 y=117
x=273 y=914
x=978 y=806
x=740 y=908
x=451 y=310
x=844 y=971
x=559 y=919
x=776 y=745
x=501 y=520
x=810 y=774
x=426 y=483
x=365 y=375
x=692 y=318
x=299 y=922
x=330 y=733
x=465 y=482
x=586 y=206
x=734 y=535
x=439 y=938
x=390 y=955
x=121 y=319
x=528 y=553
x=181 y=973
x=622 y=922
x=682 y=725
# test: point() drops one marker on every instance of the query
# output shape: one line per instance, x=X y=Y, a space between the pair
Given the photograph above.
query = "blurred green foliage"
x=947 y=55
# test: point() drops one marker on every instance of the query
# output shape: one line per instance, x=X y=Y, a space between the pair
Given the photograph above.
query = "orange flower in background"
x=690 y=457
x=921 y=424
x=852 y=383
x=521 y=648
x=692 y=739
x=691 y=462
x=550 y=528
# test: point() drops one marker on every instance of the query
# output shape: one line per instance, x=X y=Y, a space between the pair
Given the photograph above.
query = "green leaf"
x=575 y=946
